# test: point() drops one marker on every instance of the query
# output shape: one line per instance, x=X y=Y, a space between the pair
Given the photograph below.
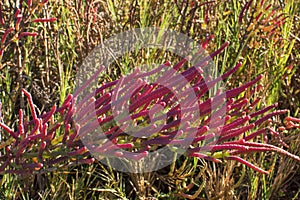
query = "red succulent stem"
x=244 y=10
x=253 y=104
x=218 y=100
x=51 y=133
x=41 y=149
x=5 y=164
x=203 y=156
x=215 y=118
x=6 y=34
x=241 y=160
x=255 y=134
x=114 y=135
x=234 y=133
x=161 y=140
x=85 y=161
x=231 y=71
x=80 y=151
x=146 y=90
x=49 y=114
x=258 y=16
x=235 y=123
x=17 y=13
x=31 y=34
x=36 y=137
x=142 y=113
x=218 y=124
x=271 y=14
x=88 y=100
x=268 y=116
x=21 y=123
x=276 y=18
x=151 y=96
x=66 y=133
x=44 y=130
x=178 y=65
x=204 y=105
x=263 y=110
x=36 y=127
x=32 y=166
x=66 y=103
x=57 y=160
x=44 y=20
x=103 y=110
x=73 y=136
x=31 y=105
x=89 y=120
x=91 y=126
x=268 y=7
x=9 y=130
x=236 y=91
x=17 y=25
x=196 y=69
x=100 y=101
x=195 y=73
x=204 y=137
x=271 y=148
x=133 y=156
x=106 y=85
x=218 y=147
x=69 y=114
x=226 y=44
x=293 y=119
x=20 y=151
x=85 y=111
x=29 y=3
x=125 y=146
x=250 y=150
x=238 y=106
x=104 y=146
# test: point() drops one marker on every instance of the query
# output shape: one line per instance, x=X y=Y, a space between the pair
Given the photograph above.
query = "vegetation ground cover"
x=44 y=60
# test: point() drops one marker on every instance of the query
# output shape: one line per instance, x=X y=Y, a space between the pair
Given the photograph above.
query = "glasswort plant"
x=36 y=146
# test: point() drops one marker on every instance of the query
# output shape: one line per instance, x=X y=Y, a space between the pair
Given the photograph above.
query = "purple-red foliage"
x=51 y=140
